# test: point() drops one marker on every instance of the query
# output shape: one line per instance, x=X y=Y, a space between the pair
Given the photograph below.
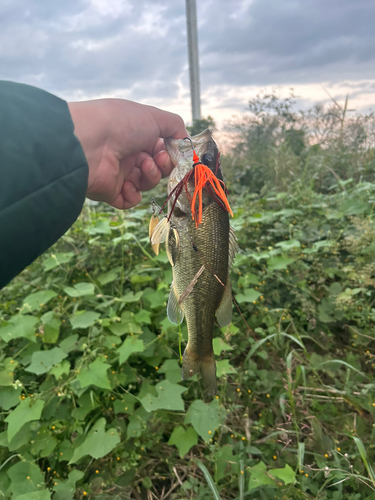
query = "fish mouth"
x=203 y=144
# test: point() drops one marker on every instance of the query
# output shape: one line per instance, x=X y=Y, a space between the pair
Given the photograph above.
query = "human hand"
x=123 y=144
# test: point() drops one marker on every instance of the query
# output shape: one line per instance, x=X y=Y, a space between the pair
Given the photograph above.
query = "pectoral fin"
x=224 y=311
x=174 y=312
x=173 y=246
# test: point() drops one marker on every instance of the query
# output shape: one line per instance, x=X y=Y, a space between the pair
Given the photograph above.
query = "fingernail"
x=153 y=170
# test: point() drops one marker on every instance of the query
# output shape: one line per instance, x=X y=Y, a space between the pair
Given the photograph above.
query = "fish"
x=200 y=246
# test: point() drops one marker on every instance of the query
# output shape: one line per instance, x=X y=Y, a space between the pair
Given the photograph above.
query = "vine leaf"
x=98 y=442
x=29 y=409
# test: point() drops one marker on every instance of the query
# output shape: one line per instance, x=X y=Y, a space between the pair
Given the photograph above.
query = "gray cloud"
x=94 y=47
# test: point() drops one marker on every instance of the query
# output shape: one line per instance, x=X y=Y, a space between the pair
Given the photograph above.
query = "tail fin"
x=206 y=366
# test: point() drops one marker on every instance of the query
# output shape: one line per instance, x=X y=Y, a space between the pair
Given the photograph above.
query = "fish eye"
x=207 y=158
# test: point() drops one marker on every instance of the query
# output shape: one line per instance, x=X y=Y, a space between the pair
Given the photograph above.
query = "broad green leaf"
x=172 y=370
x=125 y=404
x=9 y=397
x=286 y=474
x=98 y=442
x=143 y=317
x=36 y=495
x=37 y=300
x=26 y=479
x=259 y=476
x=43 y=444
x=87 y=402
x=70 y=343
x=125 y=326
x=130 y=345
x=219 y=346
x=7 y=367
x=65 y=490
x=169 y=397
x=42 y=361
x=60 y=369
x=288 y=244
x=51 y=327
x=29 y=409
x=183 y=439
x=131 y=297
x=249 y=295
x=205 y=418
x=84 y=319
x=80 y=290
x=226 y=463
x=223 y=367
x=278 y=263
x=100 y=227
x=109 y=276
x=56 y=260
x=95 y=374
x=19 y=326
x=156 y=299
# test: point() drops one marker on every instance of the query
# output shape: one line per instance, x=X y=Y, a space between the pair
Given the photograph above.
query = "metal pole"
x=192 y=34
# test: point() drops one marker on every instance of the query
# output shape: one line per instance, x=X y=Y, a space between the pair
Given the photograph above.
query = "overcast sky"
x=137 y=49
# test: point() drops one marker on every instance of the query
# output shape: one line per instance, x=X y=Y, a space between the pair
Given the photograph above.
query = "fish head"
x=181 y=150
x=181 y=153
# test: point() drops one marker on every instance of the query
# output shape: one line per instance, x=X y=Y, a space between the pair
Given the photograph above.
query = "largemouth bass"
x=200 y=245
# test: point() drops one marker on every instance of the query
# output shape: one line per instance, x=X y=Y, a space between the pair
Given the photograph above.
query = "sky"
x=137 y=49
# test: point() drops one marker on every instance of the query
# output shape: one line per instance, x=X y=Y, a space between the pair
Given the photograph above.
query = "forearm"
x=43 y=175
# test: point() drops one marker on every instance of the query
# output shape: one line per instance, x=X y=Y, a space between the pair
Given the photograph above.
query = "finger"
x=164 y=163
x=159 y=146
x=170 y=124
x=131 y=196
x=151 y=174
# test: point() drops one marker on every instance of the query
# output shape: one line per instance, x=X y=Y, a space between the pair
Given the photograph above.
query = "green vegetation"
x=92 y=404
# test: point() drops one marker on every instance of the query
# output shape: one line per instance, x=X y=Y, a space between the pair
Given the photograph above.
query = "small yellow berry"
x=249 y=391
x=306 y=475
x=28 y=477
x=96 y=472
x=53 y=427
x=156 y=368
x=274 y=457
x=326 y=455
x=232 y=436
x=268 y=395
x=338 y=449
x=209 y=432
x=238 y=390
x=118 y=459
x=243 y=438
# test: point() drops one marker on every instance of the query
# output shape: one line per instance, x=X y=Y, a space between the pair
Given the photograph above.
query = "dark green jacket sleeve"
x=43 y=175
